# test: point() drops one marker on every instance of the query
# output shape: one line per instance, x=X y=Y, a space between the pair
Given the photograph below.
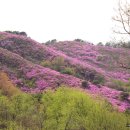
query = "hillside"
x=35 y=67
x=32 y=77
x=107 y=60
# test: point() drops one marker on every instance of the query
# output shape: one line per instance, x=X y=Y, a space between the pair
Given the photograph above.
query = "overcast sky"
x=59 y=19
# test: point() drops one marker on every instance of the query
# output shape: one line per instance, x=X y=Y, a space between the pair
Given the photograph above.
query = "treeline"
x=53 y=41
x=17 y=32
x=120 y=44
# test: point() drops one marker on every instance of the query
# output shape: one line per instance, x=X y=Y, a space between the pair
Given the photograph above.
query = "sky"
x=43 y=20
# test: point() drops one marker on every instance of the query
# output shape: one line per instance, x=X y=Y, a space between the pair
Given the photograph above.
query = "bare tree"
x=123 y=17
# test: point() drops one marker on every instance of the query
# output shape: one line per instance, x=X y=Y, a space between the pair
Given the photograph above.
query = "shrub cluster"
x=124 y=96
x=120 y=85
x=64 y=109
x=59 y=64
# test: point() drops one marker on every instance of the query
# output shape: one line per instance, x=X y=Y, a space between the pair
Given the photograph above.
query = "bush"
x=6 y=86
x=100 y=44
x=46 y=63
x=68 y=70
x=2 y=37
x=99 y=58
x=98 y=79
x=30 y=83
x=119 y=85
x=85 y=84
x=124 y=96
x=57 y=63
x=79 y=40
x=51 y=41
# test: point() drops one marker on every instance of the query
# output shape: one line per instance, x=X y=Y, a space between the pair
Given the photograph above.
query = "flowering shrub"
x=31 y=77
x=111 y=95
x=44 y=55
x=41 y=84
x=104 y=60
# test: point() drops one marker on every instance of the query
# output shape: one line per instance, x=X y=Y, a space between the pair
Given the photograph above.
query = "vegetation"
x=119 y=44
x=122 y=18
x=64 y=109
x=68 y=70
x=124 y=96
x=30 y=83
x=50 y=41
x=6 y=86
x=79 y=40
x=85 y=84
x=17 y=32
x=34 y=68
x=120 y=85
x=59 y=64
x=98 y=79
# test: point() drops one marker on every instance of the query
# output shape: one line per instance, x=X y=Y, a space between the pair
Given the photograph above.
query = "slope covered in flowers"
x=37 y=53
x=34 y=67
x=107 y=60
x=32 y=77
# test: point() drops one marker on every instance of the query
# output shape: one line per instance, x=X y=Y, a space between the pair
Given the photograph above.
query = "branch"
x=122 y=21
x=119 y=32
x=123 y=18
